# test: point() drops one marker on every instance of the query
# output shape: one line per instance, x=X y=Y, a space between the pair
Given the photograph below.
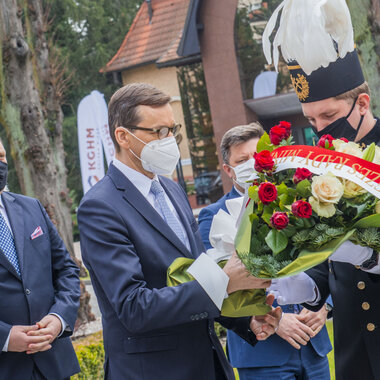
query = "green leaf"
x=282 y=189
x=277 y=241
x=253 y=193
x=266 y=217
x=303 y=188
x=264 y=143
x=254 y=219
x=369 y=221
x=263 y=232
x=369 y=153
x=289 y=231
x=286 y=199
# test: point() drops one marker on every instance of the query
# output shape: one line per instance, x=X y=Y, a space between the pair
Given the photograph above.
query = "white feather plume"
x=307 y=31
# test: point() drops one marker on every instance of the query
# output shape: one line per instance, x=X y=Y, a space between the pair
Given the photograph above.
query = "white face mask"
x=244 y=172
x=159 y=156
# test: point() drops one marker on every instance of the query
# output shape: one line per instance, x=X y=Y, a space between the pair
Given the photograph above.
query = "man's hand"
x=293 y=290
x=315 y=320
x=49 y=326
x=263 y=326
x=294 y=330
x=19 y=340
x=240 y=279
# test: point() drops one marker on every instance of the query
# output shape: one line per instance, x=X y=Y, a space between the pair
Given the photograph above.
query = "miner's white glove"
x=294 y=290
x=350 y=253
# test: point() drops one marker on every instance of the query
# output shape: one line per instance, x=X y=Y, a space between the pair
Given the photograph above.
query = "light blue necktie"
x=166 y=213
x=7 y=244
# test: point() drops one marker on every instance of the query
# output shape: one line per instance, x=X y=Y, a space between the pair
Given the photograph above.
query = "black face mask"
x=341 y=127
x=3 y=174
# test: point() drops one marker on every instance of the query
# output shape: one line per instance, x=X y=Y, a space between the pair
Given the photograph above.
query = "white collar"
x=141 y=181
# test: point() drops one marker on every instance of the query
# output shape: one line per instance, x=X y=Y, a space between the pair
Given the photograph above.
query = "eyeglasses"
x=162 y=132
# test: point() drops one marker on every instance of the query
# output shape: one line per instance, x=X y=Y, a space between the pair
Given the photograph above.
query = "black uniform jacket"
x=356 y=313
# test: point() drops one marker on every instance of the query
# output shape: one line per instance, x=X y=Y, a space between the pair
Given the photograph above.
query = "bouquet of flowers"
x=303 y=203
x=306 y=201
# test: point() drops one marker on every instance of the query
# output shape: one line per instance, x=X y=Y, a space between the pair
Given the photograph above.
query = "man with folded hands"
x=39 y=291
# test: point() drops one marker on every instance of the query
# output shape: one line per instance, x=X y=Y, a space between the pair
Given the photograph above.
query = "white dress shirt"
x=207 y=272
x=5 y=216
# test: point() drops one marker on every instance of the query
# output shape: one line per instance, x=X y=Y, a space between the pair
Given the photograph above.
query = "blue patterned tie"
x=7 y=244
x=166 y=213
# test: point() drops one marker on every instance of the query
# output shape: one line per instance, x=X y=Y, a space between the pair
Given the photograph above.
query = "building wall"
x=166 y=80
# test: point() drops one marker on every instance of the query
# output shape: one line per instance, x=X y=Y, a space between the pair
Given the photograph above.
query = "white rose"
x=327 y=188
x=349 y=148
x=322 y=209
x=337 y=143
x=351 y=189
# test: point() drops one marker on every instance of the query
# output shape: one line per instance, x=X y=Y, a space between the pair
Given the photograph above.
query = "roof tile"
x=158 y=41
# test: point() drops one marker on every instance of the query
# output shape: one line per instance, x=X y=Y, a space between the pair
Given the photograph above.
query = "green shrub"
x=221 y=331
x=91 y=360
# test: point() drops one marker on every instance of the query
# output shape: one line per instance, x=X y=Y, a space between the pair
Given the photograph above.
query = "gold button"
x=357 y=266
x=365 y=306
x=370 y=327
x=361 y=285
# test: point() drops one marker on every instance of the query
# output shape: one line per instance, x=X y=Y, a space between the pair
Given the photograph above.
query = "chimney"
x=150 y=10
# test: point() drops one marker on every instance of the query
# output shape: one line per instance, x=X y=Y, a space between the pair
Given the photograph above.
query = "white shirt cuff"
x=210 y=277
x=5 y=348
x=317 y=294
x=63 y=323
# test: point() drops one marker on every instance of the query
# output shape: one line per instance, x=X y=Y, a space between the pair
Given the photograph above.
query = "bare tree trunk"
x=31 y=112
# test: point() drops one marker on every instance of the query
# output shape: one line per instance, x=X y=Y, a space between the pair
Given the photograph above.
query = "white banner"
x=101 y=112
x=321 y=161
x=90 y=145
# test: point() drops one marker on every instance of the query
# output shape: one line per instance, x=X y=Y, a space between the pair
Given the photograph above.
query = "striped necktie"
x=165 y=211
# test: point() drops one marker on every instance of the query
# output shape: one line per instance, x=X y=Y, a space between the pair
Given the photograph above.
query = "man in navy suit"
x=133 y=224
x=39 y=291
x=301 y=343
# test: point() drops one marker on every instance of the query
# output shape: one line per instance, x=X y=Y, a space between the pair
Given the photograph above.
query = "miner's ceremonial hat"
x=317 y=42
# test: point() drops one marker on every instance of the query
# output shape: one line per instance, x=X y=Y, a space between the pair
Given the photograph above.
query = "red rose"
x=277 y=134
x=279 y=220
x=263 y=161
x=325 y=141
x=301 y=174
x=267 y=192
x=302 y=209
x=343 y=139
x=285 y=124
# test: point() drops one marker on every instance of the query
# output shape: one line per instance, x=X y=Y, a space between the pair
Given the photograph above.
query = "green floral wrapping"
x=239 y=304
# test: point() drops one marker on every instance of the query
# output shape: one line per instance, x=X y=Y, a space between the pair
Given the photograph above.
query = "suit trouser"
x=37 y=375
x=303 y=364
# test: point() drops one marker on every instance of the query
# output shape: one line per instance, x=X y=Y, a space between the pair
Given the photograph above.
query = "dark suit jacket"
x=151 y=331
x=274 y=351
x=49 y=283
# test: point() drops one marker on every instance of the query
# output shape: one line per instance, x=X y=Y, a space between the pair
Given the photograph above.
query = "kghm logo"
x=301 y=85
x=92 y=179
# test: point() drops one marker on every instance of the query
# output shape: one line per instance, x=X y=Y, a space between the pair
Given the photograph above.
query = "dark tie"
x=7 y=244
